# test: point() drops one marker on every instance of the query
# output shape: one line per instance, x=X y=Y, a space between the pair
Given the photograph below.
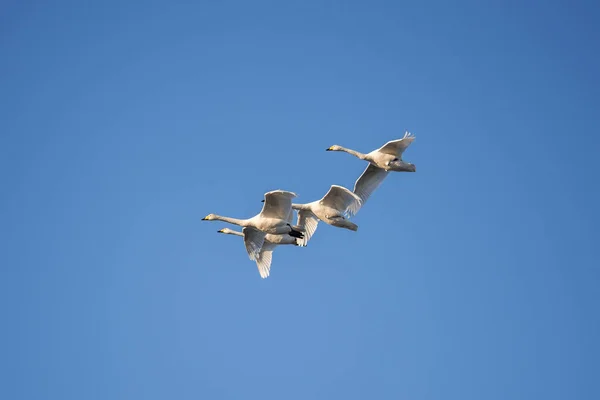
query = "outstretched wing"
x=370 y=180
x=263 y=262
x=308 y=221
x=278 y=204
x=397 y=147
x=253 y=240
x=342 y=199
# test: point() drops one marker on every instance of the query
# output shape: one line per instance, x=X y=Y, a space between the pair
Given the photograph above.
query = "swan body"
x=273 y=219
x=383 y=160
x=334 y=209
x=265 y=256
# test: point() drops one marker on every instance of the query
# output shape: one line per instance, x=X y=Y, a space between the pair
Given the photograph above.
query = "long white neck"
x=235 y=221
x=301 y=206
x=353 y=152
x=232 y=232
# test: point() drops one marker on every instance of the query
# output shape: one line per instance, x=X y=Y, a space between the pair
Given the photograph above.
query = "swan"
x=381 y=161
x=263 y=261
x=273 y=219
x=333 y=209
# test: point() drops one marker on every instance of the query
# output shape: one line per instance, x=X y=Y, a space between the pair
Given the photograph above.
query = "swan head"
x=335 y=147
x=209 y=217
x=225 y=230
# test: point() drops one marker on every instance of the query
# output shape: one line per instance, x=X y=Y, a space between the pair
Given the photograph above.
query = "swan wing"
x=263 y=262
x=370 y=180
x=397 y=147
x=342 y=199
x=253 y=240
x=278 y=204
x=308 y=221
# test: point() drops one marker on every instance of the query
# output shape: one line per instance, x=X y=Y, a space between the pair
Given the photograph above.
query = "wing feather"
x=277 y=204
x=253 y=240
x=370 y=180
x=263 y=262
x=342 y=199
x=397 y=147
x=308 y=221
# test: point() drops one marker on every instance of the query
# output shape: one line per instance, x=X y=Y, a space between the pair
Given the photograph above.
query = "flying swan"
x=273 y=219
x=381 y=161
x=333 y=209
x=263 y=261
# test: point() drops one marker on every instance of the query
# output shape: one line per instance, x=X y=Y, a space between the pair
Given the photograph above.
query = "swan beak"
x=329 y=148
x=221 y=230
x=262 y=201
x=203 y=219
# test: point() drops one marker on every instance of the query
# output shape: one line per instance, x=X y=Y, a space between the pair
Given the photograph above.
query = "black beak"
x=203 y=219
x=328 y=149
x=262 y=201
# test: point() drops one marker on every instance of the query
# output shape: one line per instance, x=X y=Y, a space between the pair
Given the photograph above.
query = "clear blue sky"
x=124 y=123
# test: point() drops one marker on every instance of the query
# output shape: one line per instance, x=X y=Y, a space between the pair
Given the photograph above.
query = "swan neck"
x=235 y=221
x=353 y=152
x=301 y=207
x=235 y=233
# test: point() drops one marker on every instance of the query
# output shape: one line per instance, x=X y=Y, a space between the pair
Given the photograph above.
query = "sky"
x=122 y=124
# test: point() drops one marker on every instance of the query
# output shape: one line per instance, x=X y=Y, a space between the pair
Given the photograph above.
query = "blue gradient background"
x=123 y=124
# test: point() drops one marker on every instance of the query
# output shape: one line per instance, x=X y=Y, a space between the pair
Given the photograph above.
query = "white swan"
x=263 y=261
x=272 y=219
x=332 y=209
x=381 y=161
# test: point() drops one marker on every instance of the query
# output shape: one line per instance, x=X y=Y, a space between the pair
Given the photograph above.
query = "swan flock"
x=273 y=226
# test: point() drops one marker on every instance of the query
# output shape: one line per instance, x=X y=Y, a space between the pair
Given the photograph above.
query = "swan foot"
x=294 y=233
